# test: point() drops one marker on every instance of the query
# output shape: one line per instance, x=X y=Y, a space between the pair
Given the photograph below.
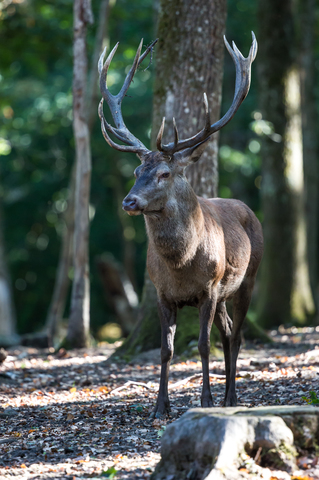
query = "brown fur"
x=201 y=253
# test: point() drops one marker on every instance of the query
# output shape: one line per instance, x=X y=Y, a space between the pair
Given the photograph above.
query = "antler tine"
x=114 y=102
x=160 y=136
x=103 y=72
x=253 y=48
x=130 y=75
x=243 y=72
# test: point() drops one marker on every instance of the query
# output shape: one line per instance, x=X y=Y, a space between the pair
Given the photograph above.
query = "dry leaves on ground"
x=75 y=415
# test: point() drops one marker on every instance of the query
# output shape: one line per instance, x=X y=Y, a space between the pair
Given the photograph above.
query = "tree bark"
x=284 y=287
x=190 y=57
x=309 y=79
x=79 y=321
x=62 y=280
x=189 y=60
x=8 y=334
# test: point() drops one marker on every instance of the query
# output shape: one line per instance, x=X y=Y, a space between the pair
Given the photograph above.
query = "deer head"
x=160 y=177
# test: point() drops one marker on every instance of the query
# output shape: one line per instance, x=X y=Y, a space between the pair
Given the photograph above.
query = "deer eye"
x=164 y=175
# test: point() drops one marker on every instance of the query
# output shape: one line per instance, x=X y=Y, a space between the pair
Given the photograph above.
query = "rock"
x=211 y=443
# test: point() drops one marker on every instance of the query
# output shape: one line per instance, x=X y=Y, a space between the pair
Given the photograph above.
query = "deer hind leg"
x=224 y=324
x=167 y=315
x=241 y=301
x=206 y=317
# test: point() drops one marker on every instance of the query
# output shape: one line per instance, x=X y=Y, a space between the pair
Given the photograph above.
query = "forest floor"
x=78 y=415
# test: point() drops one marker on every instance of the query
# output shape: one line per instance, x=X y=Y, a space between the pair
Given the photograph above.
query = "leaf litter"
x=79 y=415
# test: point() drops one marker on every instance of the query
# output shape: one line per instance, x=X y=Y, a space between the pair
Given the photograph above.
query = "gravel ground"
x=77 y=415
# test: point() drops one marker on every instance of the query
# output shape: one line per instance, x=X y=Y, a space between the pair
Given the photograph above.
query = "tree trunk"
x=189 y=58
x=79 y=321
x=307 y=27
x=8 y=335
x=62 y=281
x=119 y=291
x=284 y=289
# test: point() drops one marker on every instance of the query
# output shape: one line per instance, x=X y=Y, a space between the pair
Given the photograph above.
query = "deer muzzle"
x=131 y=205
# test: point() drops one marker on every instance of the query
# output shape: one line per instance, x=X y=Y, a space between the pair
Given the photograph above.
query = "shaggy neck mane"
x=175 y=233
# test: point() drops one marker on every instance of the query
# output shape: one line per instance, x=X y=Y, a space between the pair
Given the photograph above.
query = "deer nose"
x=129 y=204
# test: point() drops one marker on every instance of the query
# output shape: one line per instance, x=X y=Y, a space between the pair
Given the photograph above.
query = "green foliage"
x=312 y=399
x=109 y=473
x=37 y=147
x=161 y=432
x=137 y=408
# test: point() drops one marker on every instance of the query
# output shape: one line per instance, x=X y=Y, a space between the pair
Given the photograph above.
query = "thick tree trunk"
x=189 y=59
x=284 y=289
x=309 y=79
x=190 y=56
x=79 y=321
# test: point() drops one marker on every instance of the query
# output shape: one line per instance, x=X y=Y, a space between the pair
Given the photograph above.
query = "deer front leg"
x=206 y=317
x=167 y=314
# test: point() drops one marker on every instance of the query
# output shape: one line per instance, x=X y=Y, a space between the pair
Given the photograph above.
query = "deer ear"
x=190 y=155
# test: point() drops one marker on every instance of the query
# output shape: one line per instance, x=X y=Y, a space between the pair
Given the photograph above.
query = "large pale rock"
x=210 y=443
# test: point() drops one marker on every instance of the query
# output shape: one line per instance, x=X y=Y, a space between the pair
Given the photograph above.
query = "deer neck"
x=176 y=232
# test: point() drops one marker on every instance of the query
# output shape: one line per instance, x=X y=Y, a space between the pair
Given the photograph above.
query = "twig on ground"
x=193 y=377
x=128 y=384
x=257 y=456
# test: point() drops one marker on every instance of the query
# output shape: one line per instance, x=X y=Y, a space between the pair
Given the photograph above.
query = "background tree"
x=8 y=334
x=62 y=280
x=284 y=293
x=79 y=320
x=189 y=62
x=306 y=25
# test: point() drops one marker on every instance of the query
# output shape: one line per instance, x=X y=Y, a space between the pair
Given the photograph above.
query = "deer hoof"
x=230 y=402
x=207 y=403
x=160 y=411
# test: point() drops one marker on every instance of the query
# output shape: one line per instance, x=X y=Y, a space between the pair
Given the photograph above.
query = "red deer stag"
x=201 y=252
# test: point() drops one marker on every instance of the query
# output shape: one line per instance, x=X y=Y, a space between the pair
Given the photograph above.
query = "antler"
x=114 y=102
x=243 y=71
